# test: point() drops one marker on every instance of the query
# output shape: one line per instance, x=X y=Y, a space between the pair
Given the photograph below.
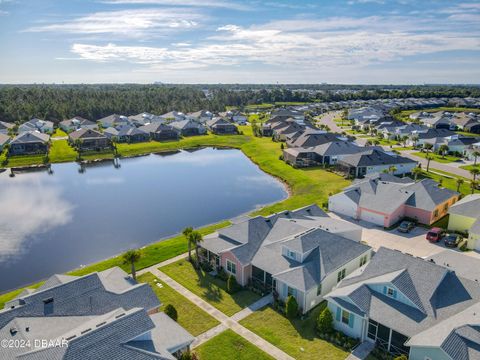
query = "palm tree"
x=429 y=158
x=416 y=171
x=131 y=257
x=392 y=169
x=475 y=154
x=186 y=232
x=195 y=238
x=473 y=185
x=443 y=150
x=459 y=183
x=474 y=173
x=368 y=143
x=404 y=140
x=414 y=140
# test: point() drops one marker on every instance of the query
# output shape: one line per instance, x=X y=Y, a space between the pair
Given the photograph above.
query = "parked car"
x=435 y=234
x=452 y=240
x=406 y=226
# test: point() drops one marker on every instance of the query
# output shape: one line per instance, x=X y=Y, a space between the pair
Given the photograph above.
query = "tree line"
x=19 y=103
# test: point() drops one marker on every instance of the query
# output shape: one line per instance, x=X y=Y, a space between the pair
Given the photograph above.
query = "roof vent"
x=27 y=329
x=120 y=315
x=71 y=337
x=102 y=323
x=13 y=331
x=85 y=331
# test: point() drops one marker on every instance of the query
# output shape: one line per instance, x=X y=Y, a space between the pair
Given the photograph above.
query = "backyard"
x=296 y=337
x=436 y=157
x=191 y=317
x=230 y=345
x=209 y=288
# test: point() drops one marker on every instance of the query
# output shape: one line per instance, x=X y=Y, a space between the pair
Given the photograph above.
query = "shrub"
x=231 y=284
x=401 y=357
x=222 y=274
x=291 y=307
x=171 y=312
x=325 y=321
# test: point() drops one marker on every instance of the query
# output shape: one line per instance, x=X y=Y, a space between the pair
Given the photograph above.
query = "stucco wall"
x=422 y=216
x=342 y=204
x=460 y=222
x=239 y=275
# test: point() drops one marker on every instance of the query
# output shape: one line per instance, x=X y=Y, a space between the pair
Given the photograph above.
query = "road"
x=450 y=168
x=327 y=119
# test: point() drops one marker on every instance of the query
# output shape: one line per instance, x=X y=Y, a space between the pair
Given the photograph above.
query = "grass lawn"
x=191 y=317
x=94 y=155
x=151 y=255
x=59 y=133
x=438 y=158
x=209 y=288
x=449 y=182
x=403 y=148
x=297 y=338
x=60 y=151
x=230 y=345
x=470 y=167
x=23 y=160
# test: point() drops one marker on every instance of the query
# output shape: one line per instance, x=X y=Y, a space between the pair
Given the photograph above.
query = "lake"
x=53 y=223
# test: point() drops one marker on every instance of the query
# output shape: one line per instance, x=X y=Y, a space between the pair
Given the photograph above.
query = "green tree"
x=171 y=312
x=392 y=169
x=473 y=185
x=429 y=158
x=401 y=357
x=131 y=257
x=231 y=284
x=195 y=238
x=443 y=150
x=474 y=173
x=475 y=154
x=186 y=232
x=291 y=307
x=325 y=321
x=459 y=183
x=416 y=171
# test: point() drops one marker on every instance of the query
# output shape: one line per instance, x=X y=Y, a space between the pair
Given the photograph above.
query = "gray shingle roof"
x=86 y=134
x=374 y=158
x=468 y=206
x=30 y=137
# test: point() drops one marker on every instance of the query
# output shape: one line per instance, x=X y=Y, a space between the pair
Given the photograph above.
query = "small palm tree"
x=131 y=257
x=392 y=169
x=459 y=183
x=429 y=158
x=473 y=185
x=416 y=171
x=475 y=154
x=186 y=232
x=474 y=173
x=195 y=238
x=443 y=150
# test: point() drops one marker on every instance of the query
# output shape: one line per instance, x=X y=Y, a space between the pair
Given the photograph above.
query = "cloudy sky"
x=232 y=41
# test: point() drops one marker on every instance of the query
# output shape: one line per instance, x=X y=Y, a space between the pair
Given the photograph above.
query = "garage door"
x=373 y=218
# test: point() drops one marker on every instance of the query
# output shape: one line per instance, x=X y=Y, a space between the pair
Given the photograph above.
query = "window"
x=48 y=306
x=319 y=290
x=341 y=275
x=363 y=260
x=291 y=291
x=231 y=267
x=389 y=291
x=345 y=317
x=292 y=254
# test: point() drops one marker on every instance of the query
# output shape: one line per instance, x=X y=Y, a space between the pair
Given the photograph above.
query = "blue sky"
x=231 y=41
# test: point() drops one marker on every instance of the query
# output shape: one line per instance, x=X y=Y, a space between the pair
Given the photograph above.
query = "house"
x=35 y=124
x=464 y=217
x=102 y=315
x=174 y=116
x=221 y=126
x=408 y=305
x=303 y=253
x=288 y=128
x=431 y=136
x=313 y=137
x=126 y=133
x=365 y=117
x=201 y=116
x=464 y=121
x=113 y=120
x=297 y=116
x=160 y=131
x=459 y=144
x=237 y=117
x=87 y=139
x=6 y=127
x=29 y=142
x=4 y=140
x=325 y=154
x=384 y=200
x=144 y=119
x=76 y=123
x=189 y=127
x=375 y=161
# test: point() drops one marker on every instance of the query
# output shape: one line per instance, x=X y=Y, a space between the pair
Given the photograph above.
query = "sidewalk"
x=226 y=322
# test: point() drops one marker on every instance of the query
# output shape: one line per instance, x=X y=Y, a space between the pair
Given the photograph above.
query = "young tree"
x=392 y=169
x=429 y=158
x=474 y=173
x=459 y=183
x=186 y=232
x=231 y=284
x=131 y=257
x=443 y=150
x=195 y=238
x=171 y=312
x=475 y=154
x=291 y=307
x=325 y=321
x=416 y=171
x=473 y=185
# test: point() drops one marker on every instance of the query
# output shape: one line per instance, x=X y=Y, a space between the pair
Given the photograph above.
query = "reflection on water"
x=53 y=223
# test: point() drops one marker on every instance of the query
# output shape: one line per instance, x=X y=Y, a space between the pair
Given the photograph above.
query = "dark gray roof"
x=128 y=130
x=312 y=138
x=374 y=158
x=435 y=293
x=30 y=137
x=468 y=206
x=86 y=134
x=157 y=128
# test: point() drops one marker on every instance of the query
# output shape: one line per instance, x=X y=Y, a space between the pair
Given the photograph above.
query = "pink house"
x=384 y=199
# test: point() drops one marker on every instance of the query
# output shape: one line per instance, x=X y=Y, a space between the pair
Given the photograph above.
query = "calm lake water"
x=54 y=223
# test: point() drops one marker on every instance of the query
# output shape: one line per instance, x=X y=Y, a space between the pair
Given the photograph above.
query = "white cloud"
x=4 y=13
x=189 y=3
x=127 y=23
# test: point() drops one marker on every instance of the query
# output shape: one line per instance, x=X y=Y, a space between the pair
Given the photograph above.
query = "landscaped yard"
x=191 y=317
x=23 y=160
x=470 y=167
x=229 y=345
x=209 y=288
x=449 y=181
x=60 y=151
x=438 y=158
x=59 y=133
x=297 y=338
x=151 y=255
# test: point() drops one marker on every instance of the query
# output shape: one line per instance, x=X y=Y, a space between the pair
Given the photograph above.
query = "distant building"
x=29 y=142
x=76 y=123
x=88 y=139
x=35 y=124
